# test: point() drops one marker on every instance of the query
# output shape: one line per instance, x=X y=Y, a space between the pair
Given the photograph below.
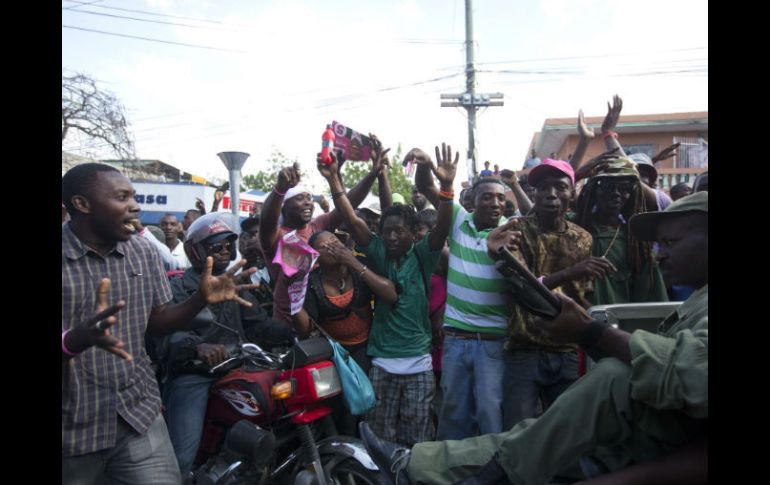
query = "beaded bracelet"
x=610 y=134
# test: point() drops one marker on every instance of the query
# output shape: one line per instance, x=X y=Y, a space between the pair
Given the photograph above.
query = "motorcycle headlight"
x=326 y=381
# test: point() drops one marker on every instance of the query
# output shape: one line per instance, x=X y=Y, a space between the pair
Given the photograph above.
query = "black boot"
x=490 y=474
x=391 y=458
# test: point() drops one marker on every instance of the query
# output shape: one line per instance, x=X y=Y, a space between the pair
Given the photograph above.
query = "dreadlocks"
x=639 y=252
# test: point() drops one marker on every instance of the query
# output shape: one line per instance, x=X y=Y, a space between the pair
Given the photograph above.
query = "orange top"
x=352 y=329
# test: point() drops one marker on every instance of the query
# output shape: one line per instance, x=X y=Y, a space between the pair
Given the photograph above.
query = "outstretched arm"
x=383 y=182
x=357 y=194
x=342 y=206
x=288 y=177
x=422 y=177
x=586 y=135
x=166 y=319
x=595 y=163
x=509 y=178
x=610 y=122
x=445 y=173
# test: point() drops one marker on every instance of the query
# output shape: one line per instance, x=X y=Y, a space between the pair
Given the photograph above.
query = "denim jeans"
x=134 y=460
x=472 y=387
x=186 y=398
x=533 y=379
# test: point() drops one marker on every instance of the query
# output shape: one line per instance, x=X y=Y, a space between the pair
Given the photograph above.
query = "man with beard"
x=641 y=414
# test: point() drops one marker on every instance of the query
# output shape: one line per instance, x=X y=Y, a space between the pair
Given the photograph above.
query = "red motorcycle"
x=268 y=422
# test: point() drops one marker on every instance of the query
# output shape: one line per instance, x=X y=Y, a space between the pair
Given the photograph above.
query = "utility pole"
x=470 y=100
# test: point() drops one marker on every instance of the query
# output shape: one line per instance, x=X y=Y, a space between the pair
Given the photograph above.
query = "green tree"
x=266 y=178
x=353 y=172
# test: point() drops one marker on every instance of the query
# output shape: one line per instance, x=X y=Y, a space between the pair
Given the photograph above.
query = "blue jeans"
x=472 y=387
x=134 y=460
x=186 y=398
x=533 y=380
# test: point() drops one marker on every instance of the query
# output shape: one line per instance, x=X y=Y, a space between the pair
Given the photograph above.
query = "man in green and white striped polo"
x=475 y=320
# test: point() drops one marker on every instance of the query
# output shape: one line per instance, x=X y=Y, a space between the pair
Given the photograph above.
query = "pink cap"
x=540 y=171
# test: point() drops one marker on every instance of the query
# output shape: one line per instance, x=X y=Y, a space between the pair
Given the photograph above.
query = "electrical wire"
x=84 y=4
x=147 y=20
x=197 y=46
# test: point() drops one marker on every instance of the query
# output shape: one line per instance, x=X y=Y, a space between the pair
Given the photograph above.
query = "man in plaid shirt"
x=113 y=290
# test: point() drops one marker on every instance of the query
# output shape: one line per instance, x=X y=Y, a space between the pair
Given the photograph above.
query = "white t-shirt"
x=404 y=365
x=179 y=257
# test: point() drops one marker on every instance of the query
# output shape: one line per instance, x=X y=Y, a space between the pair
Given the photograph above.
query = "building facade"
x=636 y=133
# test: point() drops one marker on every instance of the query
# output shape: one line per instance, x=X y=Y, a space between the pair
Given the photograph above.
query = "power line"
x=598 y=56
x=156 y=14
x=144 y=20
x=83 y=4
x=153 y=40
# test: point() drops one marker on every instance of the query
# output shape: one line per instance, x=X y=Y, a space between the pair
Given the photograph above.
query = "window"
x=648 y=150
x=692 y=153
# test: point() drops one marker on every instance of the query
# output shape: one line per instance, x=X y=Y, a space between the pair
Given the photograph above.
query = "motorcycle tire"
x=351 y=472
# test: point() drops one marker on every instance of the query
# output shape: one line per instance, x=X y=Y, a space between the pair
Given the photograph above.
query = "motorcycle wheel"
x=351 y=472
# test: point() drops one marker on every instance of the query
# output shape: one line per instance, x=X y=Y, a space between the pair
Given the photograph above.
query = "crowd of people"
x=469 y=386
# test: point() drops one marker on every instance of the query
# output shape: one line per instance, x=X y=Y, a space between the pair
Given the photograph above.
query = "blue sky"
x=286 y=68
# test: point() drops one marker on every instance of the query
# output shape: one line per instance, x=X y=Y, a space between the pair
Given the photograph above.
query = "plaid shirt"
x=97 y=386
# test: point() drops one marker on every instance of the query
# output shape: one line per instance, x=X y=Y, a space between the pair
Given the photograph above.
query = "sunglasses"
x=609 y=186
x=218 y=247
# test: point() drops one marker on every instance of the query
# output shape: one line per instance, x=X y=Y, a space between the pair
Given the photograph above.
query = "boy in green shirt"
x=400 y=339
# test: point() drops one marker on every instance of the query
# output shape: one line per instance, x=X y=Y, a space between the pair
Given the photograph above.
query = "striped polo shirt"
x=475 y=299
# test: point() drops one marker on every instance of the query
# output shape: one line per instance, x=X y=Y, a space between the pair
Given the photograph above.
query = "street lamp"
x=233 y=162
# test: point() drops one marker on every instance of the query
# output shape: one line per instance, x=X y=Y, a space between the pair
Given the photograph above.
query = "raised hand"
x=418 y=156
x=95 y=332
x=446 y=170
x=508 y=177
x=215 y=289
x=613 y=114
x=583 y=129
x=199 y=205
x=328 y=171
x=378 y=156
x=667 y=152
x=288 y=177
